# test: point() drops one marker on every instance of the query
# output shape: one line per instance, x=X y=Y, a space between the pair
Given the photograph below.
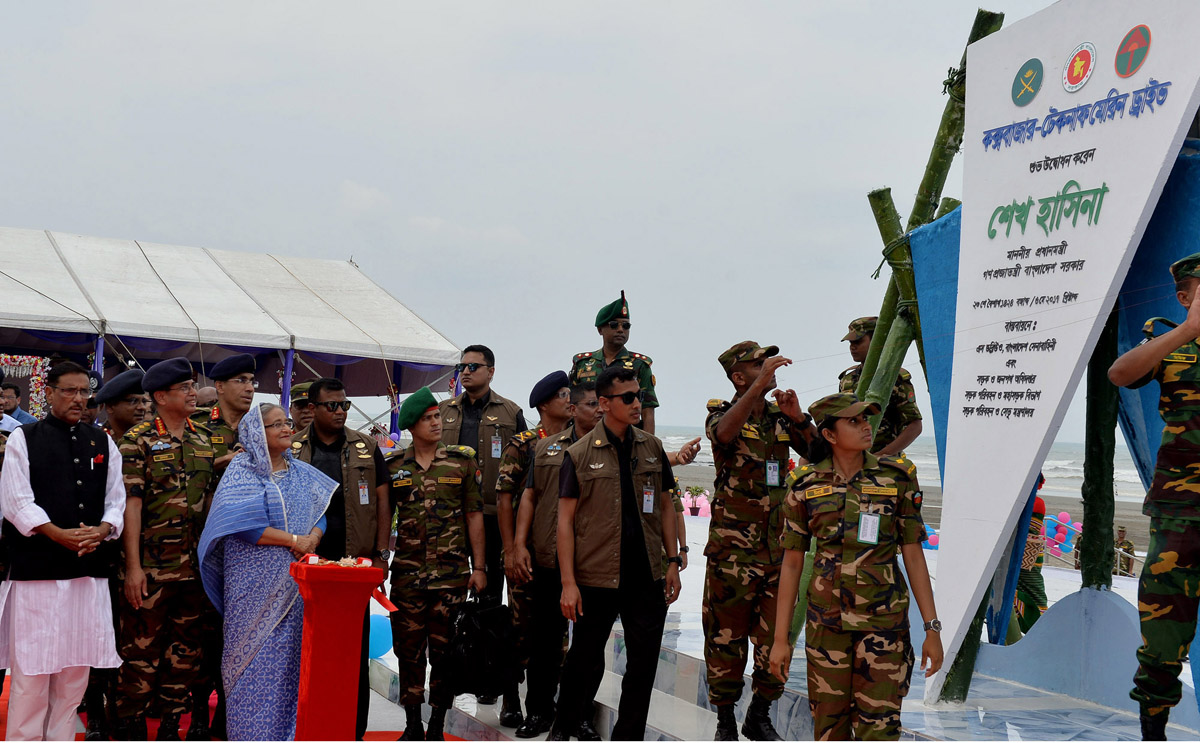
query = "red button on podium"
x=335 y=600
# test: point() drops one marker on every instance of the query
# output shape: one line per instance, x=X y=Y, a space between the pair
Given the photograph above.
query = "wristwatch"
x=683 y=550
x=676 y=559
x=933 y=625
x=385 y=555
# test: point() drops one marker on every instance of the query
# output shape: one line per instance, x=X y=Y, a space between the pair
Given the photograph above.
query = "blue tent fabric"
x=935 y=265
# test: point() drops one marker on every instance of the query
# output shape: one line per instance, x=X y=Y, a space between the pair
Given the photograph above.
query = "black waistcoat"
x=68 y=484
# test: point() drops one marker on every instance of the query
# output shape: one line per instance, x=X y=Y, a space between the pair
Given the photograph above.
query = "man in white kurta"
x=61 y=494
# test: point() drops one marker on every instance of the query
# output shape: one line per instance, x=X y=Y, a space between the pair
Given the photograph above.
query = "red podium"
x=335 y=599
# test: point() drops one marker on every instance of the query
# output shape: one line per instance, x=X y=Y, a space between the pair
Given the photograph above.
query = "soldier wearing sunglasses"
x=357 y=517
x=485 y=421
x=612 y=323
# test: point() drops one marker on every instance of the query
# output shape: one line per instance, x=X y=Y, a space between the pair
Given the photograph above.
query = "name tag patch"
x=1184 y=358
x=818 y=492
x=218 y=439
x=164 y=457
x=874 y=490
x=401 y=483
x=449 y=481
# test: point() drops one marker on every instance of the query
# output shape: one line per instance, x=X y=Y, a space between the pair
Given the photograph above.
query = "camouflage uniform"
x=1169 y=588
x=1123 y=564
x=515 y=463
x=586 y=367
x=174 y=479
x=860 y=655
x=901 y=408
x=742 y=578
x=430 y=566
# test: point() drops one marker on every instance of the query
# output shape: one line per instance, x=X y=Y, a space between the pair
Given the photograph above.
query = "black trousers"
x=548 y=631
x=493 y=555
x=364 y=679
x=643 y=611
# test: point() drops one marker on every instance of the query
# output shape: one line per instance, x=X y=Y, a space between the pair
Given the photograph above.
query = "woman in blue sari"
x=268 y=510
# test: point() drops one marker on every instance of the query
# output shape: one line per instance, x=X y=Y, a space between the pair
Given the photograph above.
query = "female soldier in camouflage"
x=862 y=511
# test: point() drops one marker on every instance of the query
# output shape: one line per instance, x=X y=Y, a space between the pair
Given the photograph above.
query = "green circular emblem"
x=1027 y=82
x=1132 y=51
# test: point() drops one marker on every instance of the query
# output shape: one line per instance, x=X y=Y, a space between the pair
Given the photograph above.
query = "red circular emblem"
x=1079 y=67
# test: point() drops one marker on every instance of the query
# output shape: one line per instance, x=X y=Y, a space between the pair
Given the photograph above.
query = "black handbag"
x=480 y=647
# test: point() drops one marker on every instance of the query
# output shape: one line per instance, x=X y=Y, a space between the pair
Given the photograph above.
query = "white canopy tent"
x=136 y=301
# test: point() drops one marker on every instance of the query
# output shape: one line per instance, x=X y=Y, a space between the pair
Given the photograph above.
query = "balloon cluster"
x=1060 y=533
x=931 y=542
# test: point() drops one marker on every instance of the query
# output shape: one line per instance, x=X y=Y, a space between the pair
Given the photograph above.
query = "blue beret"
x=548 y=387
x=232 y=366
x=124 y=384
x=166 y=373
x=95 y=381
x=413 y=407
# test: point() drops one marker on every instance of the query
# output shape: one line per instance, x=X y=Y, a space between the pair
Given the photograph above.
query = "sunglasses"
x=628 y=397
x=622 y=325
x=334 y=405
x=473 y=367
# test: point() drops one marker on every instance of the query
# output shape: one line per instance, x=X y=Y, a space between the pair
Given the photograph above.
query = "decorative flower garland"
x=34 y=367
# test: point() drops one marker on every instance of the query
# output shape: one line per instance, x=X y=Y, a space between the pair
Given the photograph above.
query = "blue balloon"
x=380 y=641
x=1066 y=547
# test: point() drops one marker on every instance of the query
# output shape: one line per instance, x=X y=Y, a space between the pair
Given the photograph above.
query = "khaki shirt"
x=498 y=424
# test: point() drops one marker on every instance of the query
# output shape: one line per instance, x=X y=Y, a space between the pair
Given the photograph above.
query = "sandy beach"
x=1126 y=514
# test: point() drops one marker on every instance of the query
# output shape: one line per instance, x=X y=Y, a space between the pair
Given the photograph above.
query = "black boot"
x=437 y=724
x=132 y=728
x=97 y=716
x=1154 y=727
x=198 y=729
x=757 y=725
x=726 y=723
x=510 y=709
x=168 y=728
x=413 y=729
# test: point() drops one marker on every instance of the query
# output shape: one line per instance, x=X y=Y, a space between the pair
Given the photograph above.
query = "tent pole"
x=98 y=360
x=397 y=378
x=285 y=389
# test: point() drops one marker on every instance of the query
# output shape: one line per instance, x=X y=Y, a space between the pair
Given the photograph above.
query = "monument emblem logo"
x=1027 y=82
x=1132 y=51
x=1079 y=66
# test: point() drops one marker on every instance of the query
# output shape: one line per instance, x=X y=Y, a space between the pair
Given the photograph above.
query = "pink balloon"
x=1056 y=538
x=1061 y=531
x=933 y=540
x=1064 y=517
x=1054 y=550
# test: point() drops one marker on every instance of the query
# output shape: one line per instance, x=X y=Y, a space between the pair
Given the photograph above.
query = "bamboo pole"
x=948 y=205
x=1095 y=544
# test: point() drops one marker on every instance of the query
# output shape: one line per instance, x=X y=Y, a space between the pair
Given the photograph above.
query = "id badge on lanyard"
x=772 y=473
x=497 y=446
x=868 y=528
x=647 y=499
x=364 y=495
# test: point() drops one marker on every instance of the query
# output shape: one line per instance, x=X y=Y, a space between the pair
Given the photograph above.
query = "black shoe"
x=199 y=729
x=510 y=710
x=413 y=729
x=558 y=732
x=1154 y=727
x=168 y=728
x=757 y=725
x=726 y=723
x=534 y=726
x=437 y=724
x=586 y=730
x=96 y=730
x=486 y=698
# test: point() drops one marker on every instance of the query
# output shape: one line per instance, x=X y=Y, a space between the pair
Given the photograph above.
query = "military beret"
x=128 y=382
x=166 y=373
x=745 y=351
x=95 y=382
x=413 y=407
x=860 y=327
x=231 y=367
x=1185 y=267
x=841 y=405
x=618 y=310
x=300 y=390
x=547 y=387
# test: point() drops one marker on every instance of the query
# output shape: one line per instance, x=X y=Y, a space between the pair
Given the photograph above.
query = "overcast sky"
x=505 y=169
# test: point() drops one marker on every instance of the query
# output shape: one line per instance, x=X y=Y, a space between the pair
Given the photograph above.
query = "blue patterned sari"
x=250 y=585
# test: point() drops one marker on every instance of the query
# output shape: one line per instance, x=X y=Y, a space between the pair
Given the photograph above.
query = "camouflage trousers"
x=856 y=681
x=1168 y=596
x=422 y=619
x=520 y=603
x=161 y=646
x=739 y=608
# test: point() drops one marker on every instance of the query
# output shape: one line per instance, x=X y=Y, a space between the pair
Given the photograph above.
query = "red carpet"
x=183 y=723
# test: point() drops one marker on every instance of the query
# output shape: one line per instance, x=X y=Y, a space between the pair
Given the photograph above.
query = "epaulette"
x=797 y=474
x=715 y=404
x=1148 y=327
x=901 y=463
x=904 y=376
x=642 y=357
x=582 y=356
x=139 y=429
x=200 y=414
x=527 y=435
x=395 y=451
x=772 y=407
x=853 y=368
x=465 y=451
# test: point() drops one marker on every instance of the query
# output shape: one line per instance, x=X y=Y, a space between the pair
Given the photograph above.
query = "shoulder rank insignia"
x=139 y=429
x=643 y=357
x=527 y=435
x=582 y=356
x=714 y=403
x=466 y=451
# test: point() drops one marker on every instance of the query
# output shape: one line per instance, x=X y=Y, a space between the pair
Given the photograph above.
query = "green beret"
x=618 y=310
x=413 y=407
x=1185 y=267
x=860 y=327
